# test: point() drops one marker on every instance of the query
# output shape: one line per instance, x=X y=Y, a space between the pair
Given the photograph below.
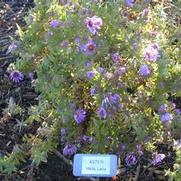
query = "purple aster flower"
x=101 y=70
x=102 y=113
x=16 y=76
x=77 y=39
x=110 y=104
x=121 y=70
x=116 y=58
x=13 y=46
x=69 y=149
x=93 y=24
x=54 y=23
x=166 y=117
x=116 y=107
x=88 y=64
x=158 y=158
x=89 y=48
x=87 y=138
x=130 y=159
x=144 y=70
x=64 y=44
x=177 y=111
x=106 y=102
x=93 y=91
x=79 y=115
x=162 y=109
x=151 y=53
x=90 y=74
x=129 y=3
x=114 y=99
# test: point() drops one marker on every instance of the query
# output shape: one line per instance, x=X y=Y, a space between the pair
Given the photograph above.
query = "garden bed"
x=23 y=95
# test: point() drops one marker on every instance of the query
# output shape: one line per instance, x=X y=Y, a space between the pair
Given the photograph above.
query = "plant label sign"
x=94 y=165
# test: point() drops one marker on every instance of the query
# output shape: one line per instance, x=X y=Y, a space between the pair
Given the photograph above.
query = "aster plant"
x=104 y=73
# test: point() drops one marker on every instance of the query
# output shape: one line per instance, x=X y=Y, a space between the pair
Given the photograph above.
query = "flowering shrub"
x=106 y=72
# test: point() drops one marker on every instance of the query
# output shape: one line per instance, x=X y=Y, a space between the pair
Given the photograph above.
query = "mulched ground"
x=12 y=12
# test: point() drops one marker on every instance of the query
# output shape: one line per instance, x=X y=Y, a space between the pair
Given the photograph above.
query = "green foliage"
x=8 y=163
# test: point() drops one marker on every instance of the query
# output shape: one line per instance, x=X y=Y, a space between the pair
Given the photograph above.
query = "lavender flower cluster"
x=151 y=54
x=165 y=116
x=69 y=149
x=110 y=105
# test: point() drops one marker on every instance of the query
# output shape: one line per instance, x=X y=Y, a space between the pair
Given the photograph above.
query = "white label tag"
x=96 y=165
